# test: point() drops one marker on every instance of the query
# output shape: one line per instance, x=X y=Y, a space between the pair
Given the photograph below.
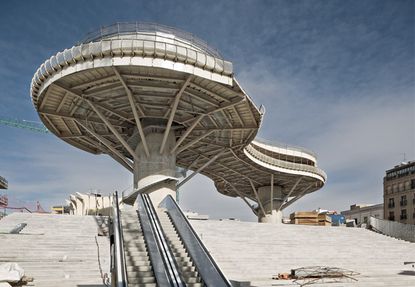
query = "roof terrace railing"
x=284 y=146
x=3 y=181
x=284 y=164
x=123 y=28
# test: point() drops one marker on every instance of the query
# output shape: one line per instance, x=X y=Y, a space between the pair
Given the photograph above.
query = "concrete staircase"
x=185 y=264
x=57 y=250
x=139 y=270
x=255 y=252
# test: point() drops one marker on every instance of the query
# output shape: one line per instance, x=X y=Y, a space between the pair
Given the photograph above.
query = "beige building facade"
x=361 y=213
x=89 y=204
x=399 y=193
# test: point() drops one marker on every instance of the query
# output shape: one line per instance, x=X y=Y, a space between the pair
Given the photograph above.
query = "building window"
x=388 y=189
x=403 y=202
x=391 y=216
x=407 y=185
x=403 y=214
x=413 y=184
x=391 y=203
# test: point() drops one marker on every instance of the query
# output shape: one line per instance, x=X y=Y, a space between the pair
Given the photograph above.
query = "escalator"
x=186 y=265
x=137 y=260
x=160 y=248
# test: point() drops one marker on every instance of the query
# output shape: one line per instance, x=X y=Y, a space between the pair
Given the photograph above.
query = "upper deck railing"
x=285 y=146
x=3 y=181
x=141 y=28
x=284 y=164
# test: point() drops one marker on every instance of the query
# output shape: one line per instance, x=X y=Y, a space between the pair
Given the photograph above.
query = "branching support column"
x=270 y=198
x=152 y=173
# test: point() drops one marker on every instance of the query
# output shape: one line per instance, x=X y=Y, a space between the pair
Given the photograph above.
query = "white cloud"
x=356 y=135
x=329 y=83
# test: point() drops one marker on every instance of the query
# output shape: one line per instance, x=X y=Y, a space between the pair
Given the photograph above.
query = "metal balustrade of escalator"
x=137 y=260
x=160 y=248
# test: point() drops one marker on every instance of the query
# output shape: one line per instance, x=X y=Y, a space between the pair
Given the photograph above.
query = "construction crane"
x=24 y=124
x=28 y=125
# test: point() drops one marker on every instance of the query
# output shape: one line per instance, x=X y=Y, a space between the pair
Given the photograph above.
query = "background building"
x=88 y=204
x=360 y=213
x=399 y=193
x=3 y=183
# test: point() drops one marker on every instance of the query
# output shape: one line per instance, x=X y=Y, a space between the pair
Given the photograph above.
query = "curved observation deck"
x=153 y=98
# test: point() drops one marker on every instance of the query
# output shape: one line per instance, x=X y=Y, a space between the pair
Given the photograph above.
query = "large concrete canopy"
x=153 y=97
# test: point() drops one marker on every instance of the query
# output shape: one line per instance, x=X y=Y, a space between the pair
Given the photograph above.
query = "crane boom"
x=23 y=124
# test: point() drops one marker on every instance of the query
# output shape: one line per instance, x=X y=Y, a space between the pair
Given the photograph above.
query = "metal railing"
x=3 y=182
x=284 y=146
x=205 y=264
x=161 y=257
x=118 y=270
x=393 y=229
x=141 y=28
x=284 y=164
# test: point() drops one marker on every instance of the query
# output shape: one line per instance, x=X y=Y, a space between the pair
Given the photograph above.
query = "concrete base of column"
x=274 y=217
x=271 y=202
x=151 y=171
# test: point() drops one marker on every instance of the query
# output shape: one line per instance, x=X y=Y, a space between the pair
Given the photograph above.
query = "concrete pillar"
x=148 y=170
x=272 y=214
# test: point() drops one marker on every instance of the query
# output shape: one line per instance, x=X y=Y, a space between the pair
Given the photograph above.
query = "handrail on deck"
x=284 y=146
x=122 y=28
x=3 y=181
x=284 y=164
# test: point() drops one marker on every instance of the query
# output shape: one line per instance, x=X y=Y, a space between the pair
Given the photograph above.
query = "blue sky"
x=335 y=76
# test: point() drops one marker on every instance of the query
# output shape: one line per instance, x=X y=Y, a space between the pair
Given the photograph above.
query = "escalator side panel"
x=153 y=249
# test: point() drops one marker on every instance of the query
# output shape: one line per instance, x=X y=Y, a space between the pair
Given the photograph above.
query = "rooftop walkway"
x=57 y=250
x=255 y=252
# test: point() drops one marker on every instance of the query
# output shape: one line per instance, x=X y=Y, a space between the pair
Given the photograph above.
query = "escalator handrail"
x=167 y=254
x=164 y=267
x=205 y=264
x=120 y=267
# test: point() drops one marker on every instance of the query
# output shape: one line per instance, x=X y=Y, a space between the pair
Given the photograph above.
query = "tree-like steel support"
x=201 y=168
x=300 y=195
x=173 y=112
x=290 y=192
x=134 y=107
x=257 y=197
